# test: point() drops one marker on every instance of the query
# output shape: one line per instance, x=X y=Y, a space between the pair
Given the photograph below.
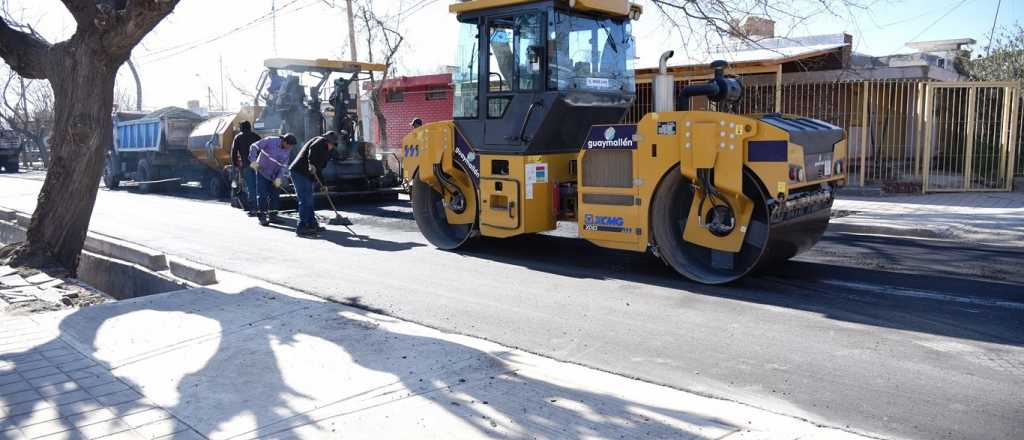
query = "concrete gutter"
x=105 y=258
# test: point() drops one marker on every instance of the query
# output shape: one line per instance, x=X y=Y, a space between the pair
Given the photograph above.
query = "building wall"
x=414 y=104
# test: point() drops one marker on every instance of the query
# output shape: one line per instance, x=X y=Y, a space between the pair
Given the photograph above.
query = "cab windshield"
x=590 y=54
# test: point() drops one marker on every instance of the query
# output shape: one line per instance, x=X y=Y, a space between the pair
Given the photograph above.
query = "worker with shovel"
x=240 y=158
x=307 y=169
x=269 y=157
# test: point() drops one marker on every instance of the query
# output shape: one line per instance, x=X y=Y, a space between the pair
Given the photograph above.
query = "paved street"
x=883 y=336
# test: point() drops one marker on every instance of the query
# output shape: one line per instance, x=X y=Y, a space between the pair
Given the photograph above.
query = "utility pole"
x=351 y=33
x=273 y=20
x=223 y=100
x=138 y=85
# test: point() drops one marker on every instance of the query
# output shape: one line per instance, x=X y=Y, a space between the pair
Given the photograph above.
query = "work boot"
x=307 y=232
x=264 y=221
x=251 y=213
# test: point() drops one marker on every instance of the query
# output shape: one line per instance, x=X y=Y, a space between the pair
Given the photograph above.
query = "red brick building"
x=427 y=97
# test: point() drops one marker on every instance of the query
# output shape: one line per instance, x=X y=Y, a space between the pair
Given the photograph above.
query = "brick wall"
x=414 y=104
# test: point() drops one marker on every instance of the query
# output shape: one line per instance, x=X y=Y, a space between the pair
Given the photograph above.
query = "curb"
x=12 y=231
x=194 y=272
x=860 y=228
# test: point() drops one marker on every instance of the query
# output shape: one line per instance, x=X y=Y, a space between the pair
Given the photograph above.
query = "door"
x=970 y=133
x=514 y=77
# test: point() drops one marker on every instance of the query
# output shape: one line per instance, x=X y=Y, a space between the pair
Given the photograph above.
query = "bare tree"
x=384 y=36
x=710 y=23
x=81 y=70
x=26 y=107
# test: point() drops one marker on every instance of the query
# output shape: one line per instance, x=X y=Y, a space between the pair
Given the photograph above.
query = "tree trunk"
x=83 y=82
x=382 y=122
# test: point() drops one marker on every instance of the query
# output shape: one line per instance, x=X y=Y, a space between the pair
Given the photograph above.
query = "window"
x=590 y=54
x=529 y=50
x=465 y=95
x=515 y=53
x=437 y=94
x=501 y=59
x=395 y=95
x=497 y=105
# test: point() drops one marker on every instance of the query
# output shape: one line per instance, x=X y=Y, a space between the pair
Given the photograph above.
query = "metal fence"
x=886 y=128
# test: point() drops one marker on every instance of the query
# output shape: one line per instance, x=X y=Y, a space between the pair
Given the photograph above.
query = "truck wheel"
x=216 y=186
x=144 y=173
x=110 y=179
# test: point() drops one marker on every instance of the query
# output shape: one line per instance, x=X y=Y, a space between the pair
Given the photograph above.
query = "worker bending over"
x=269 y=156
x=305 y=170
x=240 y=158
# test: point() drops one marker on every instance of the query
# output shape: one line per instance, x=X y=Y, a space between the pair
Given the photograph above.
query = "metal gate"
x=970 y=136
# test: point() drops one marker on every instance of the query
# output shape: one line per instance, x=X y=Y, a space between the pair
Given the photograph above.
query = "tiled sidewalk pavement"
x=50 y=391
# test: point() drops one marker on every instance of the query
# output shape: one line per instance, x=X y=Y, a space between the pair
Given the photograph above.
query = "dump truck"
x=163 y=149
x=540 y=92
x=307 y=98
x=11 y=146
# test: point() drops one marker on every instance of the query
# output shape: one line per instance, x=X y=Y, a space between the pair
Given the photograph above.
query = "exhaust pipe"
x=664 y=86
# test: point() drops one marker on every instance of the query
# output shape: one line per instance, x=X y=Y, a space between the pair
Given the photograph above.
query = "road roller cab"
x=541 y=88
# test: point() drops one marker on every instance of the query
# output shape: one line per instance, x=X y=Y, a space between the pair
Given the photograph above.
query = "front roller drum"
x=428 y=207
x=764 y=242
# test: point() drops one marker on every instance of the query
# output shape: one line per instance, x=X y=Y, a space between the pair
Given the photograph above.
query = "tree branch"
x=133 y=23
x=82 y=10
x=26 y=52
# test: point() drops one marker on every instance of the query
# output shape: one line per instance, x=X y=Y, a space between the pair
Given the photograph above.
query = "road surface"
x=884 y=336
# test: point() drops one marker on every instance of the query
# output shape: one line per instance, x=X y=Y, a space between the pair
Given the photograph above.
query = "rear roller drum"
x=428 y=207
x=762 y=243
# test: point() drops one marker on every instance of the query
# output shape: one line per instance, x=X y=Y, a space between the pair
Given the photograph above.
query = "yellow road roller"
x=540 y=90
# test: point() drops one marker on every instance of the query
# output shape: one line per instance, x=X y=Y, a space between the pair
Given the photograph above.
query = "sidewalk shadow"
x=252 y=374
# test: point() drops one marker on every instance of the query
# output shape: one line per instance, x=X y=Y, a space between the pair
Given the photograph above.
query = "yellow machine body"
x=520 y=199
x=714 y=194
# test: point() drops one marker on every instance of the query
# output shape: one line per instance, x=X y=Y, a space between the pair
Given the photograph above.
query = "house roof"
x=763 y=53
x=408 y=82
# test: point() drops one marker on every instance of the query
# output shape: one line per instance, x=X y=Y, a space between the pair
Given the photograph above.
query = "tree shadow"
x=260 y=364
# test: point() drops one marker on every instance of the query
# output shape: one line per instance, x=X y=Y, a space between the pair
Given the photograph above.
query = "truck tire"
x=12 y=165
x=110 y=179
x=144 y=173
x=216 y=186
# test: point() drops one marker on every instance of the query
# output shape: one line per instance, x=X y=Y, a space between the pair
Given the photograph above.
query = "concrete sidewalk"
x=244 y=359
x=977 y=218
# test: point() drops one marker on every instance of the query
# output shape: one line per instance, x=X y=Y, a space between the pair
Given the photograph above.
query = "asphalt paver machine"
x=309 y=97
x=540 y=90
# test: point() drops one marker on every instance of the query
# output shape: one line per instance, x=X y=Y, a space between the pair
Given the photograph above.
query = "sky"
x=204 y=41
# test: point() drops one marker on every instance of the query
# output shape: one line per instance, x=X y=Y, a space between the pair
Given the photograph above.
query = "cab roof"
x=320 y=65
x=614 y=8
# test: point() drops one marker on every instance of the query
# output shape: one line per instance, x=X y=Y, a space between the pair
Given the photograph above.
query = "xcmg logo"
x=603 y=220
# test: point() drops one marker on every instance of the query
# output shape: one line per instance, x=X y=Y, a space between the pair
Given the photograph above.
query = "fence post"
x=778 y=88
x=926 y=120
x=918 y=128
x=1012 y=142
x=864 y=132
x=972 y=98
x=1004 y=132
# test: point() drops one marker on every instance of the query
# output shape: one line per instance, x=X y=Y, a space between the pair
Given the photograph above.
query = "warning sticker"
x=535 y=173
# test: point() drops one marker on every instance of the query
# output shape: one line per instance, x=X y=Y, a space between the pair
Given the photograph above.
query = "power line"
x=185 y=47
x=991 y=33
x=926 y=29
